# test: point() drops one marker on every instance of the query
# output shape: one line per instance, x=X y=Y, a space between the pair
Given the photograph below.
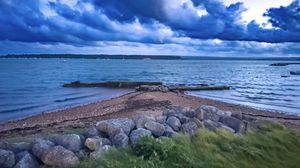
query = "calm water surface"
x=31 y=86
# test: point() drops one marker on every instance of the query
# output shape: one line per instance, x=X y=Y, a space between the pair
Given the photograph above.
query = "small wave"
x=20 y=109
x=73 y=98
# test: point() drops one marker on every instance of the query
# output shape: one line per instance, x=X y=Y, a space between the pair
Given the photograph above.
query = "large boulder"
x=169 y=132
x=156 y=128
x=91 y=132
x=99 y=152
x=96 y=142
x=120 y=139
x=161 y=119
x=15 y=147
x=234 y=123
x=39 y=146
x=199 y=123
x=214 y=126
x=71 y=142
x=174 y=123
x=113 y=126
x=210 y=113
x=26 y=160
x=141 y=120
x=136 y=135
x=189 y=128
x=7 y=158
x=59 y=156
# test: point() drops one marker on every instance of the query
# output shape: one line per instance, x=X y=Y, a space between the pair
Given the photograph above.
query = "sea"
x=29 y=86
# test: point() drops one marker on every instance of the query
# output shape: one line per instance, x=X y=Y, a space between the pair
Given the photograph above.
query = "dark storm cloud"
x=145 y=21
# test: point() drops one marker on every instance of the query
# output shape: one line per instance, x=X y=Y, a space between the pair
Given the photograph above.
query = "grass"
x=271 y=147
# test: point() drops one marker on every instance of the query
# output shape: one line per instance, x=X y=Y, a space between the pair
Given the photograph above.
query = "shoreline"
x=128 y=105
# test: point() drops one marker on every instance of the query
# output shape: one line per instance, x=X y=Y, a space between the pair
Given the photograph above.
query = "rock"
x=169 y=132
x=178 y=114
x=211 y=125
x=136 y=135
x=141 y=120
x=224 y=113
x=99 y=153
x=161 y=119
x=71 y=142
x=113 y=126
x=39 y=146
x=15 y=147
x=226 y=128
x=7 y=158
x=26 y=160
x=120 y=140
x=174 y=123
x=156 y=128
x=96 y=142
x=153 y=88
x=59 y=156
x=91 y=132
x=234 y=123
x=189 y=128
x=198 y=122
x=210 y=113
x=93 y=143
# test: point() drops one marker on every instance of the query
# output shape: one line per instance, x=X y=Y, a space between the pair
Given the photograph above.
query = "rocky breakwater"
x=68 y=149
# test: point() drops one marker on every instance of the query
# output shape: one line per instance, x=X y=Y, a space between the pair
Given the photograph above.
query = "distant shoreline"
x=146 y=57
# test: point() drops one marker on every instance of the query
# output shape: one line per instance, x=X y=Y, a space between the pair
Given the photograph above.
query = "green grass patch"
x=270 y=147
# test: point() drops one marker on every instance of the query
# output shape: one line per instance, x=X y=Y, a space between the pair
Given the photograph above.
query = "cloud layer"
x=87 y=23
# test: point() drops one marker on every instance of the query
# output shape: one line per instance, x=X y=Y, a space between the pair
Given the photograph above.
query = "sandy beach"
x=129 y=105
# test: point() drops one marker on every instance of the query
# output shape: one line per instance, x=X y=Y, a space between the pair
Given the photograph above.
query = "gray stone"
x=210 y=113
x=120 y=140
x=136 y=135
x=39 y=146
x=96 y=142
x=99 y=153
x=113 y=126
x=234 y=123
x=141 y=120
x=71 y=142
x=169 y=132
x=161 y=119
x=174 y=123
x=212 y=125
x=189 y=128
x=198 y=122
x=91 y=132
x=15 y=147
x=156 y=128
x=7 y=158
x=26 y=160
x=59 y=156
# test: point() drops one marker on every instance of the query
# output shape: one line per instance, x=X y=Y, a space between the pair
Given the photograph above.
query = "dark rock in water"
x=26 y=160
x=112 y=84
x=141 y=120
x=59 y=156
x=156 y=128
x=136 y=135
x=120 y=140
x=71 y=142
x=153 y=88
x=295 y=72
x=39 y=146
x=189 y=128
x=174 y=123
x=234 y=123
x=112 y=126
x=197 y=87
x=7 y=158
x=169 y=132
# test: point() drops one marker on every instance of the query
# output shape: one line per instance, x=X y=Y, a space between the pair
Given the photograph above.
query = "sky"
x=222 y=28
